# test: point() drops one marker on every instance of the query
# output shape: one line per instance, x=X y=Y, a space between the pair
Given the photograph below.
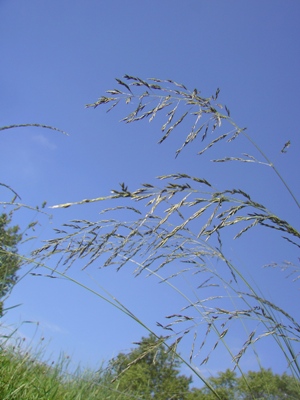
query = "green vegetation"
x=23 y=377
x=9 y=260
x=146 y=372
x=252 y=386
x=150 y=371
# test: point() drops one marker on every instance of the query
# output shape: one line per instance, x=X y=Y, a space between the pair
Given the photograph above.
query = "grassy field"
x=23 y=377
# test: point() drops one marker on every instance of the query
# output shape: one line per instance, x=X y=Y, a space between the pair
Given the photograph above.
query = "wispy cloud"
x=44 y=141
x=53 y=327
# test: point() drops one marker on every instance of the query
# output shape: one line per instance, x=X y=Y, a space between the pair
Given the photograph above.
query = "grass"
x=23 y=376
x=168 y=234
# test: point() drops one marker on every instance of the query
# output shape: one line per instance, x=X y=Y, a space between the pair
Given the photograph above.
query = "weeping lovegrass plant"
x=176 y=227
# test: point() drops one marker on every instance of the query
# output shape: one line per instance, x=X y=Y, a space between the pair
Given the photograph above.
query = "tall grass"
x=176 y=228
x=23 y=376
x=28 y=373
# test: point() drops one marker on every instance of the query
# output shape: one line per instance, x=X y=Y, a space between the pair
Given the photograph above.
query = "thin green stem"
x=272 y=166
x=117 y=304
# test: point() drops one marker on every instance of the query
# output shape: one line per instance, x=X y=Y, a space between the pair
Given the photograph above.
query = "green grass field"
x=23 y=377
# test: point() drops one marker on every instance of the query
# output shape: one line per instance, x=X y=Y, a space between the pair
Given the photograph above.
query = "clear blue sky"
x=58 y=56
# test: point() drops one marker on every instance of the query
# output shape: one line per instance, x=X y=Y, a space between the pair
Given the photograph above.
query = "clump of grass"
x=23 y=376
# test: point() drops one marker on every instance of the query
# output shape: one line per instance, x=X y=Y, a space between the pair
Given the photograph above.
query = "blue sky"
x=58 y=56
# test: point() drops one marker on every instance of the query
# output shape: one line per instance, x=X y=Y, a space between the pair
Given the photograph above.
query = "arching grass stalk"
x=169 y=241
x=205 y=112
x=161 y=240
x=113 y=301
x=3 y=128
x=278 y=334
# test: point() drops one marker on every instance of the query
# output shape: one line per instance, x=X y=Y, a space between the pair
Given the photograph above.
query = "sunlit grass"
x=24 y=376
